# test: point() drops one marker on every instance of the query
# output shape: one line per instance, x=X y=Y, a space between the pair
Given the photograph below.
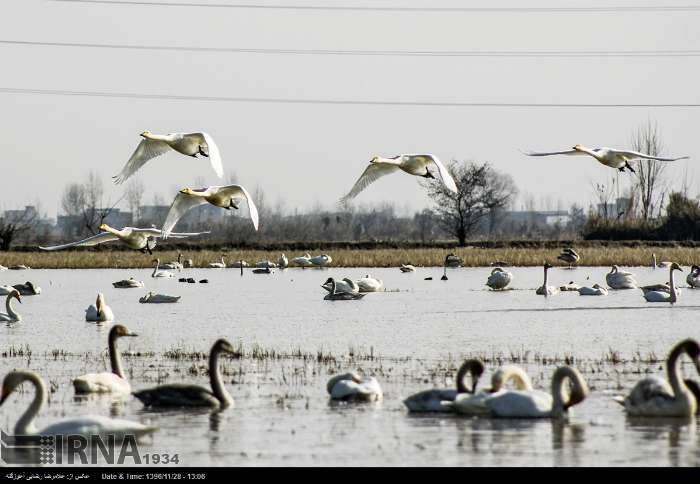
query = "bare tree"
x=134 y=197
x=604 y=194
x=650 y=180
x=84 y=202
x=477 y=194
x=12 y=228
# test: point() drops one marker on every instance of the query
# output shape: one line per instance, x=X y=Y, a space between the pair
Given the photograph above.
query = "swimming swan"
x=143 y=240
x=11 y=315
x=107 y=382
x=413 y=164
x=158 y=298
x=661 y=295
x=544 y=289
x=370 y=284
x=475 y=404
x=174 y=264
x=407 y=268
x=218 y=265
x=344 y=285
x=185 y=395
x=303 y=260
x=86 y=425
x=693 y=279
x=569 y=256
x=499 y=279
x=654 y=397
x=435 y=400
x=128 y=283
x=100 y=312
x=283 y=262
x=337 y=295
x=226 y=197
x=596 y=290
x=28 y=289
x=618 y=279
x=321 y=260
x=350 y=387
x=607 y=156
x=159 y=273
x=536 y=403
x=153 y=145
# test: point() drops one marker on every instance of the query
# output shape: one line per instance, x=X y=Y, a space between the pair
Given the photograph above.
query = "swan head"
x=120 y=330
x=223 y=345
x=547 y=265
x=15 y=294
x=676 y=267
x=145 y=134
x=13 y=380
x=473 y=367
x=374 y=159
x=187 y=191
x=105 y=228
x=578 y=147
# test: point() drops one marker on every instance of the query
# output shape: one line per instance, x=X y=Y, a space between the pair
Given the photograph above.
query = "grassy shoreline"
x=426 y=257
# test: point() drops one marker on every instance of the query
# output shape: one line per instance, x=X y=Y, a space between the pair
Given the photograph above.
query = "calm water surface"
x=411 y=337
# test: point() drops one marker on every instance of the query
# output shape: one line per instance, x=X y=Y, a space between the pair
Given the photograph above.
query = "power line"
x=350 y=102
x=396 y=53
x=589 y=9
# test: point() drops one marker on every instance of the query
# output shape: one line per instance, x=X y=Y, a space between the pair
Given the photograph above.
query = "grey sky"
x=308 y=153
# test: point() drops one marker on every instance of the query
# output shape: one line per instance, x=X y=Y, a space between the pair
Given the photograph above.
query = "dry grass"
x=471 y=257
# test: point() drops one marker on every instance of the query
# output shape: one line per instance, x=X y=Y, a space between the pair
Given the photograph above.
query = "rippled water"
x=411 y=337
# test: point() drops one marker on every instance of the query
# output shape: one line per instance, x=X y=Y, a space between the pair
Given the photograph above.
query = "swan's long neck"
x=653 y=260
x=158 y=137
x=579 y=390
x=680 y=390
x=672 y=282
x=8 y=307
x=114 y=356
x=217 y=386
x=511 y=372
x=25 y=424
x=179 y=257
x=589 y=152
x=332 y=286
x=545 y=281
x=155 y=269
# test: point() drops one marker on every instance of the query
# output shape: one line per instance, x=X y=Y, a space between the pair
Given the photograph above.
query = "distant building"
x=19 y=216
x=546 y=218
x=74 y=225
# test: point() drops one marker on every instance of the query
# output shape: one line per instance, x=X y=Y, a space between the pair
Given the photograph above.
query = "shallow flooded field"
x=411 y=337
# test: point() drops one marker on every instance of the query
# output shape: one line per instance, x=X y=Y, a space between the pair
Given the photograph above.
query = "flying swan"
x=225 y=197
x=143 y=240
x=107 y=382
x=607 y=156
x=413 y=164
x=153 y=145
x=86 y=425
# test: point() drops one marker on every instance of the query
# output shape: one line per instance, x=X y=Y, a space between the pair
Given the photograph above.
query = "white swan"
x=283 y=262
x=596 y=290
x=128 y=283
x=239 y=263
x=536 y=403
x=452 y=261
x=334 y=294
x=661 y=264
x=407 y=268
x=157 y=272
x=19 y=267
x=435 y=400
x=303 y=261
x=618 y=279
x=218 y=265
x=100 y=312
x=185 y=395
x=607 y=156
x=135 y=238
x=663 y=296
x=174 y=265
x=693 y=278
x=2 y=268
x=321 y=260
x=499 y=279
x=413 y=164
x=544 y=289
x=107 y=382
x=344 y=285
x=152 y=145
x=569 y=256
x=475 y=404
x=570 y=287
x=654 y=397
x=86 y=425
x=265 y=264
x=158 y=298
x=11 y=315
x=370 y=284
x=350 y=387
x=226 y=197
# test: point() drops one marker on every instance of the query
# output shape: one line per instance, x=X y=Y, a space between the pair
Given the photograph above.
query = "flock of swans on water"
x=651 y=396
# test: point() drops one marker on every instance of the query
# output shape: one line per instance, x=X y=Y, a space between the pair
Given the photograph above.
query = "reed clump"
x=601 y=255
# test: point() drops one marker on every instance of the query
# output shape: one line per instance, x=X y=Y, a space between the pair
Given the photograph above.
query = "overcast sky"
x=306 y=153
